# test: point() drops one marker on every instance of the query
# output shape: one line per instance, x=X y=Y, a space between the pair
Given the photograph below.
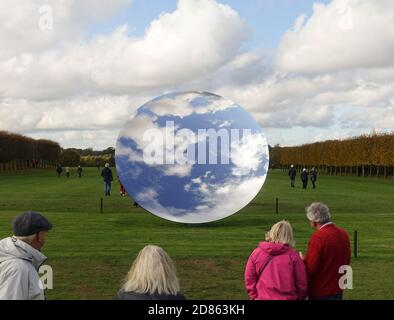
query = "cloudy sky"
x=74 y=71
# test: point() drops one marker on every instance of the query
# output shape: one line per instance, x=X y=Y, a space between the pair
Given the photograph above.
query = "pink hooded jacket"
x=284 y=277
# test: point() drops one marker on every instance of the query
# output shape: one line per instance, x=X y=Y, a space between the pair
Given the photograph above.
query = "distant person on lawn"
x=106 y=173
x=151 y=277
x=79 y=171
x=68 y=172
x=20 y=258
x=59 y=170
x=292 y=175
x=328 y=250
x=313 y=177
x=274 y=270
x=122 y=190
x=304 y=178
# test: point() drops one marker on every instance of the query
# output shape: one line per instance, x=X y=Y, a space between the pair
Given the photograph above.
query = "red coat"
x=328 y=250
x=284 y=277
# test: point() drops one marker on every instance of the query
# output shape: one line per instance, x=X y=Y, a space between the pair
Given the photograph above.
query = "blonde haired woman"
x=152 y=277
x=274 y=270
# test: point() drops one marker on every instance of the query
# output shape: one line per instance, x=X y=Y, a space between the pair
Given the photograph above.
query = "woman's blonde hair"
x=281 y=232
x=153 y=271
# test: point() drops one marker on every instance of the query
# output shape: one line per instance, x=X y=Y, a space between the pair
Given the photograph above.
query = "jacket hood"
x=13 y=248
x=274 y=249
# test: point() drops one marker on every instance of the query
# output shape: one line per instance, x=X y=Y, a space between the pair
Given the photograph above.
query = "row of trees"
x=87 y=157
x=96 y=153
x=368 y=155
x=98 y=161
x=18 y=152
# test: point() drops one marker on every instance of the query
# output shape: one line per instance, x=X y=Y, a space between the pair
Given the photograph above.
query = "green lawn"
x=90 y=253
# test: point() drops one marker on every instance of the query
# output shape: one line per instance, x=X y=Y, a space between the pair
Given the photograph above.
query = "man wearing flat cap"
x=20 y=258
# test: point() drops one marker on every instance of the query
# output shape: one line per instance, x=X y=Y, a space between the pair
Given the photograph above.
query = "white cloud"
x=78 y=113
x=231 y=197
x=220 y=201
x=149 y=197
x=21 y=27
x=177 y=106
x=178 y=170
x=382 y=119
x=135 y=130
x=247 y=153
x=198 y=37
x=288 y=100
x=97 y=139
x=344 y=34
x=181 y=106
x=131 y=154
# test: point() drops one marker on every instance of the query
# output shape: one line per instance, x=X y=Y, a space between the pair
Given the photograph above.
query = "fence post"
x=276 y=205
x=355 y=243
x=101 y=205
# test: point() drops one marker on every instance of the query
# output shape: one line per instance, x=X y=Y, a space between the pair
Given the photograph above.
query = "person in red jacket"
x=328 y=250
x=274 y=270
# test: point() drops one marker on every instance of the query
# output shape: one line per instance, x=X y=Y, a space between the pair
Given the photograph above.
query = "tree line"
x=73 y=157
x=18 y=152
x=366 y=155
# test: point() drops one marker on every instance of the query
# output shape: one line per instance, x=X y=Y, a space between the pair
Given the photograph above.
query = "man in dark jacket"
x=107 y=175
x=313 y=177
x=59 y=169
x=304 y=178
x=292 y=175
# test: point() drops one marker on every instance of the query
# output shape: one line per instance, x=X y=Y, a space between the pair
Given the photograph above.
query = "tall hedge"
x=20 y=152
x=365 y=155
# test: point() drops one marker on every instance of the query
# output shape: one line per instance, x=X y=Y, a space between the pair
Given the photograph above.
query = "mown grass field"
x=91 y=253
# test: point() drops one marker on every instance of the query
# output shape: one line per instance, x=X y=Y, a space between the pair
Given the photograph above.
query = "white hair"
x=318 y=212
x=107 y=165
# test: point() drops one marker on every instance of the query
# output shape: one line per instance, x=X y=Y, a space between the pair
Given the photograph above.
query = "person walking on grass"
x=304 y=178
x=328 y=250
x=292 y=175
x=20 y=258
x=106 y=173
x=79 y=171
x=274 y=270
x=68 y=172
x=313 y=177
x=152 y=277
x=59 y=169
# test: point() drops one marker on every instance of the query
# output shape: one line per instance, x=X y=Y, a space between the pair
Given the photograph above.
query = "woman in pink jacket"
x=274 y=270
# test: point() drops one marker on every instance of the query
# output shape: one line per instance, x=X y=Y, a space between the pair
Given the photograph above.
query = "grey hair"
x=318 y=212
